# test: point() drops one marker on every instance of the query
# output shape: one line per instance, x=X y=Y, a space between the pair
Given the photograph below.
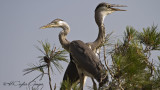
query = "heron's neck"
x=62 y=37
x=99 y=18
x=101 y=37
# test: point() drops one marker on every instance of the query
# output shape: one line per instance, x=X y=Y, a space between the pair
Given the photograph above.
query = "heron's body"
x=84 y=58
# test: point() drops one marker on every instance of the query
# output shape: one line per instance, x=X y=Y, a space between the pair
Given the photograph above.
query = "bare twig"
x=49 y=76
x=55 y=86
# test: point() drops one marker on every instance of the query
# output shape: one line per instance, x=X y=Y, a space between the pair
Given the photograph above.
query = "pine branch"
x=49 y=76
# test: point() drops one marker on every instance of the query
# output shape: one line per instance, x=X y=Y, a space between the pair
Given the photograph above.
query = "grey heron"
x=101 y=11
x=87 y=63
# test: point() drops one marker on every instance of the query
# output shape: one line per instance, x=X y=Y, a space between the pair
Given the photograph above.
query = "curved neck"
x=99 y=18
x=62 y=37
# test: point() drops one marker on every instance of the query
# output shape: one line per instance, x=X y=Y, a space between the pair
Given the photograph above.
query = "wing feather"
x=85 y=58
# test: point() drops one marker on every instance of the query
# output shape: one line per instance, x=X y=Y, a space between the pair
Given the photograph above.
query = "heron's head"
x=54 y=24
x=103 y=9
x=106 y=8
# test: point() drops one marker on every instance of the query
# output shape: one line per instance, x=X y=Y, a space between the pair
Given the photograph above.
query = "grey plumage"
x=84 y=58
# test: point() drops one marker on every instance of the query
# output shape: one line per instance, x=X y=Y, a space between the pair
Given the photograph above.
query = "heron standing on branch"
x=87 y=63
x=101 y=11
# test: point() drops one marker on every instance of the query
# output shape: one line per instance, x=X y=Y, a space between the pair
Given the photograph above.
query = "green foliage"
x=131 y=67
x=66 y=85
x=156 y=79
x=54 y=55
x=150 y=37
x=50 y=56
x=128 y=56
x=130 y=60
x=130 y=35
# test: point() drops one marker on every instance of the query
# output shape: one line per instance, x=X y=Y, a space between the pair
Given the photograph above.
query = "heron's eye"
x=52 y=22
x=55 y=22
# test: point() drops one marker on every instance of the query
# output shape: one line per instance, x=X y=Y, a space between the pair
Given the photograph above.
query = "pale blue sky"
x=20 y=21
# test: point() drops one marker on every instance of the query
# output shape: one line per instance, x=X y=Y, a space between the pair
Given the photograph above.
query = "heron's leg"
x=82 y=77
x=94 y=84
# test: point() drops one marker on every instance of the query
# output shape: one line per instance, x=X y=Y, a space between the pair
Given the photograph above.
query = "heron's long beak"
x=117 y=9
x=46 y=26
